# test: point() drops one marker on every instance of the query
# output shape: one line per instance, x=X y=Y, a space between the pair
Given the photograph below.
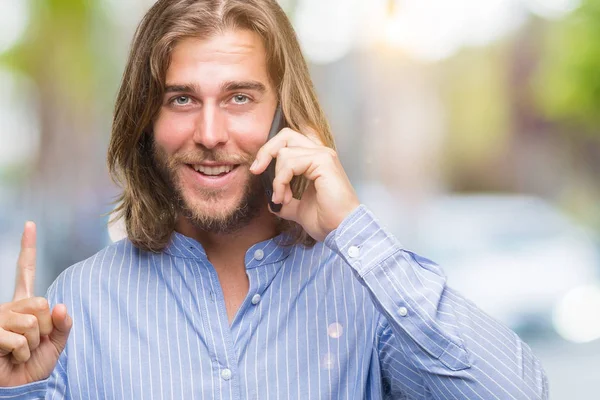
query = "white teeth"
x=212 y=171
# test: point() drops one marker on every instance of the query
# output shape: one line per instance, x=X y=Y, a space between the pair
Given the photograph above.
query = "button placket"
x=226 y=374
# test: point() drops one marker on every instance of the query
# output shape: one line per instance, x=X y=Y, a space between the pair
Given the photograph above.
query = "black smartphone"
x=269 y=174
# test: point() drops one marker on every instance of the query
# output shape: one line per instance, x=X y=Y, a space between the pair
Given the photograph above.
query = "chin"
x=222 y=212
x=213 y=205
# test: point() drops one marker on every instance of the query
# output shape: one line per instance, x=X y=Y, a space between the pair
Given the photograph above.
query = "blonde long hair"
x=146 y=203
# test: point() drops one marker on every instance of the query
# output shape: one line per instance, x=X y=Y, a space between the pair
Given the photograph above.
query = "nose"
x=211 y=129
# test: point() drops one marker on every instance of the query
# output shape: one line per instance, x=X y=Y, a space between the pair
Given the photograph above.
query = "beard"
x=206 y=209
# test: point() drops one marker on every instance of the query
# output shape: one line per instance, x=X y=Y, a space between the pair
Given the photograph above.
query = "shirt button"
x=259 y=255
x=403 y=311
x=255 y=299
x=226 y=374
x=353 y=251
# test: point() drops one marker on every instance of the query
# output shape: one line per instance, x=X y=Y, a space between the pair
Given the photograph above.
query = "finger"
x=289 y=195
x=283 y=178
x=288 y=158
x=39 y=307
x=16 y=344
x=285 y=154
x=286 y=197
x=26 y=325
x=294 y=161
x=62 y=327
x=26 y=263
x=286 y=138
x=289 y=211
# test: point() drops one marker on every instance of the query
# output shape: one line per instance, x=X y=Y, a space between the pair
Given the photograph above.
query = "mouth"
x=213 y=171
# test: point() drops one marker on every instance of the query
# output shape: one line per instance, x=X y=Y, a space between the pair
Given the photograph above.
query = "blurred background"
x=471 y=127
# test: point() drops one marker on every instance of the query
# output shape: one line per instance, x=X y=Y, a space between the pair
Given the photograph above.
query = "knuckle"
x=331 y=152
x=28 y=265
x=40 y=304
x=280 y=180
x=21 y=343
x=277 y=181
x=29 y=321
x=287 y=131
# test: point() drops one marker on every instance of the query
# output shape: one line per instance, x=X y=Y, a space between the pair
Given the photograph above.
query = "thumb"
x=289 y=211
x=62 y=327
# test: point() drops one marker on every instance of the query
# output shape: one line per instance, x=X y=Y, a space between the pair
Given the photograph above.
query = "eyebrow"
x=187 y=88
x=243 y=85
x=228 y=86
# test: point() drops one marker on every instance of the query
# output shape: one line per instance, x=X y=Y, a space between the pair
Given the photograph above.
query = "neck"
x=230 y=248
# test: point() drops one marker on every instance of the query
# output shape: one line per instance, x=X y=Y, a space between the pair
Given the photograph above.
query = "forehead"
x=228 y=56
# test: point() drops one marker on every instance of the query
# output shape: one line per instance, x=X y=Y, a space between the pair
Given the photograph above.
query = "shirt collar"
x=184 y=247
x=266 y=252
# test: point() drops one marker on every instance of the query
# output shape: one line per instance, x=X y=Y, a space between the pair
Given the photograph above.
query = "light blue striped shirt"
x=355 y=317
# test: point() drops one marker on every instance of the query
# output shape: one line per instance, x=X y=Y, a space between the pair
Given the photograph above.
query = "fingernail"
x=253 y=166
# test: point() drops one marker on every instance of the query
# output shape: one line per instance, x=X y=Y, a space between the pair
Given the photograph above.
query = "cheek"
x=171 y=132
x=250 y=132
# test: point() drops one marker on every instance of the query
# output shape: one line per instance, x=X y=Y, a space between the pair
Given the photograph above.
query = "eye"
x=240 y=99
x=181 y=100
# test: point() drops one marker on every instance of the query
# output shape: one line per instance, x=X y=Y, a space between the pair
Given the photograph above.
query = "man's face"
x=215 y=115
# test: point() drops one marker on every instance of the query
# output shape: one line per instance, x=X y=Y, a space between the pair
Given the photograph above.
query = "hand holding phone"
x=269 y=174
x=328 y=197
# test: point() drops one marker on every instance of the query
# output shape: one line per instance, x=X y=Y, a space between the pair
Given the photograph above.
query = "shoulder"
x=316 y=254
x=76 y=280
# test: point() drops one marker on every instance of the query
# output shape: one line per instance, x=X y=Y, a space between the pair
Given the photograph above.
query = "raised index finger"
x=26 y=264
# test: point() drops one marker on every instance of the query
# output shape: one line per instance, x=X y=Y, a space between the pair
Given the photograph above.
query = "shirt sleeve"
x=456 y=350
x=52 y=388
x=35 y=390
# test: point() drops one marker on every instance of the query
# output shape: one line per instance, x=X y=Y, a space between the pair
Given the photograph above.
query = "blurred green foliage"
x=62 y=50
x=476 y=90
x=567 y=85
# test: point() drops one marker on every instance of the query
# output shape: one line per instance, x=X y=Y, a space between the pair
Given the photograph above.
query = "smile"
x=217 y=170
x=216 y=176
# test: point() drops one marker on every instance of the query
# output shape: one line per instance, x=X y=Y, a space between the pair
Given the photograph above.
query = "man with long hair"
x=215 y=296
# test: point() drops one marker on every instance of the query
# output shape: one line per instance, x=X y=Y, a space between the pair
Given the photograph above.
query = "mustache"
x=218 y=156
